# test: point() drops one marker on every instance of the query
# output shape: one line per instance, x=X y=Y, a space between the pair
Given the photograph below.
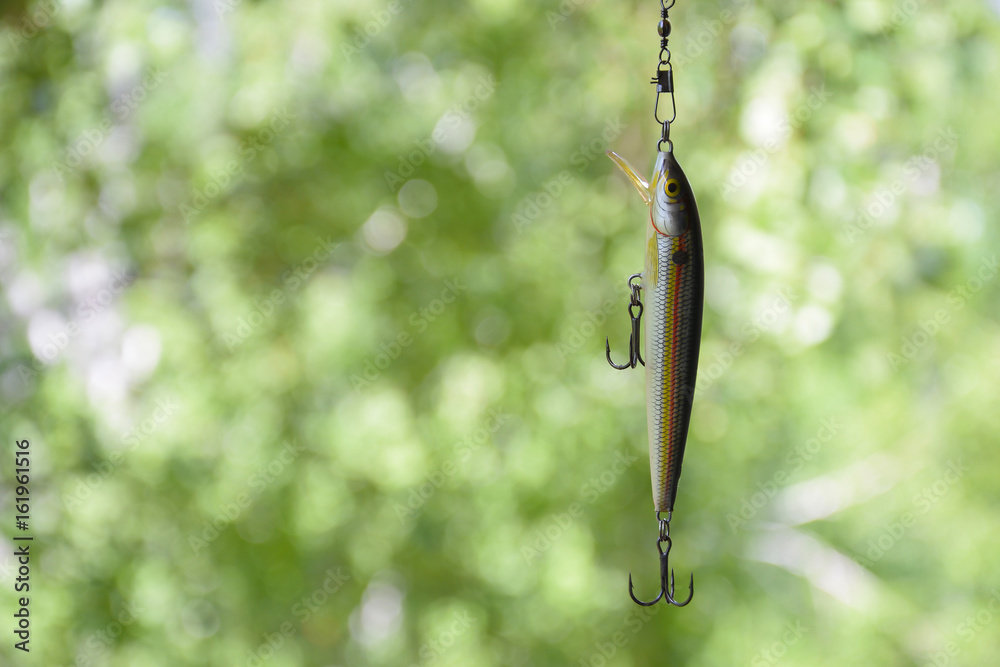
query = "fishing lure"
x=673 y=283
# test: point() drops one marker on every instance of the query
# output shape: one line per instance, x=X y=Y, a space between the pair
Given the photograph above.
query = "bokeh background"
x=303 y=310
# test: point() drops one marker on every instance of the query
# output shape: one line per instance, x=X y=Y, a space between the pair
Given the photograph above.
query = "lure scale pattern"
x=673 y=287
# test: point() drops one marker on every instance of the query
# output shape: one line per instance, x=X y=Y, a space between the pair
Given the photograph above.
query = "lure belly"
x=673 y=284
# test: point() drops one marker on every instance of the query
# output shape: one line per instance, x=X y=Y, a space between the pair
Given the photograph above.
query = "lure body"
x=673 y=285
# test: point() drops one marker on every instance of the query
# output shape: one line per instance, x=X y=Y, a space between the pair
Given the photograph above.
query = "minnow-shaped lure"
x=673 y=284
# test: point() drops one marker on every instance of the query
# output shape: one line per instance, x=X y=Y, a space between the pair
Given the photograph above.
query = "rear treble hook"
x=634 y=356
x=666 y=590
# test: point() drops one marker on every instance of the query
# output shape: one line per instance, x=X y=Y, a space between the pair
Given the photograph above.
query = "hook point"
x=637 y=600
x=607 y=347
x=670 y=597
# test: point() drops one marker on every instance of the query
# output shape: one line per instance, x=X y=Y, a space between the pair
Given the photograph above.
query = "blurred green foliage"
x=303 y=308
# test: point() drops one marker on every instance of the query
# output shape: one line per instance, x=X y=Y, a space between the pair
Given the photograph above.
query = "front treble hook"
x=666 y=588
x=634 y=356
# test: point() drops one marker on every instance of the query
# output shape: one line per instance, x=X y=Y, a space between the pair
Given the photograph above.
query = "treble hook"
x=634 y=356
x=665 y=592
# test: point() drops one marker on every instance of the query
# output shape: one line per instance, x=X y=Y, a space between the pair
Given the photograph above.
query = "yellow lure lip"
x=640 y=183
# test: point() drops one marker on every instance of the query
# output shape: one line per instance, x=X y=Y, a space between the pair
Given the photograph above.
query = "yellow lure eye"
x=672 y=187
